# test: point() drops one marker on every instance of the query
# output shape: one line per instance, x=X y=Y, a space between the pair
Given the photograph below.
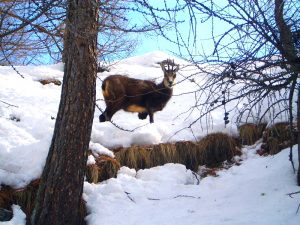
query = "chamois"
x=135 y=95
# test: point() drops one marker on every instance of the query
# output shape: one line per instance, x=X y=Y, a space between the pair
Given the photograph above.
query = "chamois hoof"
x=142 y=116
x=102 y=118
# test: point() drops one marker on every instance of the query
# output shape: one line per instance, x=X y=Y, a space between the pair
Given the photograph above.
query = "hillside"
x=253 y=193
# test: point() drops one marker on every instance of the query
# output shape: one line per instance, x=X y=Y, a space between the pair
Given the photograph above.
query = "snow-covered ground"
x=253 y=193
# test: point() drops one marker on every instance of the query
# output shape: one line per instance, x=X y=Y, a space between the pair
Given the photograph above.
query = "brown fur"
x=134 y=95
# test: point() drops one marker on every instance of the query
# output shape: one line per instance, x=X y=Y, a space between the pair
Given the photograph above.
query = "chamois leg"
x=108 y=113
x=151 y=115
x=143 y=115
x=102 y=117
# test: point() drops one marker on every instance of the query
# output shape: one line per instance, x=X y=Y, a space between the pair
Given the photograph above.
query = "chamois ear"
x=176 y=67
x=162 y=65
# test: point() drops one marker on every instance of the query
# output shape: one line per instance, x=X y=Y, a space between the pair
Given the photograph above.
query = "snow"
x=252 y=193
x=99 y=149
x=91 y=160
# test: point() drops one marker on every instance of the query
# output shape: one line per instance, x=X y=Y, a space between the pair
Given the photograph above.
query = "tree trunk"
x=298 y=135
x=59 y=196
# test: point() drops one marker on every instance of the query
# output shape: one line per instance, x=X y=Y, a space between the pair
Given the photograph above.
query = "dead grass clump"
x=163 y=153
x=134 y=157
x=276 y=138
x=216 y=148
x=92 y=173
x=108 y=167
x=211 y=151
x=25 y=197
x=105 y=168
x=280 y=131
x=249 y=133
x=49 y=81
x=188 y=153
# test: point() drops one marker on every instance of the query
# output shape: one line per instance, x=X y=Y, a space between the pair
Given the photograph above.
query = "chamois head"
x=169 y=68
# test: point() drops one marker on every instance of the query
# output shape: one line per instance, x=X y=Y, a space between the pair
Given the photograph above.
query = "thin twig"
x=293 y=193
x=119 y=127
x=9 y=104
x=196 y=176
x=177 y=196
x=128 y=195
x=9 y=62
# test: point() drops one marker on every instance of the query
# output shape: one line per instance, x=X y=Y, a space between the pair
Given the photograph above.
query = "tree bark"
x=298 y=135
x=60 y=192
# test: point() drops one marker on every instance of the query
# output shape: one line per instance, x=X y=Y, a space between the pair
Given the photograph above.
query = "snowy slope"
x=36 y=108
x=252 y=193
x=162 y=195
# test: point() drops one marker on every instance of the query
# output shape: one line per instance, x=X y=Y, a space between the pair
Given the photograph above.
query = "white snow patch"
x=91 y=160
x=100 y=149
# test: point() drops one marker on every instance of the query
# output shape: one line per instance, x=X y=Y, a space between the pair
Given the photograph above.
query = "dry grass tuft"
x=136 y=157
x=216 y=148
x=105 y=168
x=277 y=137
x=188 y=153
x=50 y=81
x=92 y=173
x=163 y=153
x=250 y=133
x=25 y=197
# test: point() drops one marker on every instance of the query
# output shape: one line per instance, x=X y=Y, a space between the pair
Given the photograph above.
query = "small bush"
x=250 y=133
x=105 y=168
x=216 y=148
x=277 y=137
